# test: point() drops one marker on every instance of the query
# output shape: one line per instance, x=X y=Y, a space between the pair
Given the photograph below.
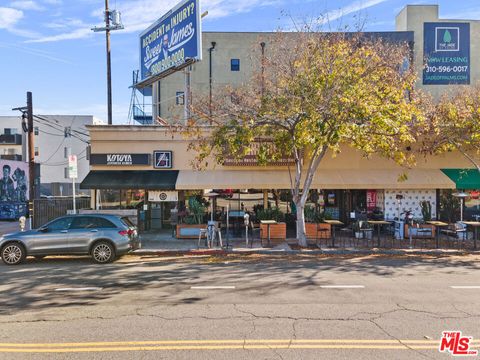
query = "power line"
x=64 y=163
x=49 y=124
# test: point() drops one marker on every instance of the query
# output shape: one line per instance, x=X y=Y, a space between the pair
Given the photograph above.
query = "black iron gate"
x=45 y=210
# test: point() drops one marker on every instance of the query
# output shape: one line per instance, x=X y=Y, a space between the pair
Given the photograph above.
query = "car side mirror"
x=43 y=229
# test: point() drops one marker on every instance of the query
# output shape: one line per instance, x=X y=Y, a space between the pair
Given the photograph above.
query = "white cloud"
x=26 y=5
x=349 y=9
x=76 y=34
x=35 y=52
x=9 y=17
x=52 y=2
x=137 y=15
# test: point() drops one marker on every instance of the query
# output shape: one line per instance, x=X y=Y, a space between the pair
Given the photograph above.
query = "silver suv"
x=104 y=237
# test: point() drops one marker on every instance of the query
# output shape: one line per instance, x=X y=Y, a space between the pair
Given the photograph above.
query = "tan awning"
x=325 y=179
x=382 y=179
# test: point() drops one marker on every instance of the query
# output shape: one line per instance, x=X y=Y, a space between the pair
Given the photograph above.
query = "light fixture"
x=461 y=195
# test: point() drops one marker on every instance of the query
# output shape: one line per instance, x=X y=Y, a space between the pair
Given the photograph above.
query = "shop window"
x=132 y=199
x=180 y=98
x=109 y=199
x=234 y=64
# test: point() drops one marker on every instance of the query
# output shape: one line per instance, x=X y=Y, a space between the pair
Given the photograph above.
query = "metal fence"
x=45 y=210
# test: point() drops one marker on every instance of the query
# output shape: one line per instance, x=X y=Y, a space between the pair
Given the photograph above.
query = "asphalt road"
x=237 y=308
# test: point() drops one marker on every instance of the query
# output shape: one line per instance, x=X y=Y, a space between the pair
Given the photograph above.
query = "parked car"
x=103 y=237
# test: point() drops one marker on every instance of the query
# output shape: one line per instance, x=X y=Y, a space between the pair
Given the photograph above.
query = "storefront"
x=156 y=178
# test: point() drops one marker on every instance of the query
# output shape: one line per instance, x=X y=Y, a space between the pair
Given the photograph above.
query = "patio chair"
x=255 y=230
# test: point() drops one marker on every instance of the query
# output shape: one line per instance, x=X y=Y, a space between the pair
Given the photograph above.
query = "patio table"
x=268 y=223
x=475 y=225
x=333 y=223
x=378 y=223
x=438 y=225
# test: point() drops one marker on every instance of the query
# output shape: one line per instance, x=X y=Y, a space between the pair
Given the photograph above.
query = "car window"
x=127 y=221
x=102 y=223
x=60 y=224
x=83 y=222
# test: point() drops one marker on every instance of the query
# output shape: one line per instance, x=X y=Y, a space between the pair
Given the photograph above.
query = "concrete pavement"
x=255 y=307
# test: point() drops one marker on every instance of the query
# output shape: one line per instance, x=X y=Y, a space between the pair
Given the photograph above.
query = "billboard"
x=446 y=48
x=172 y=40
x=13 y=189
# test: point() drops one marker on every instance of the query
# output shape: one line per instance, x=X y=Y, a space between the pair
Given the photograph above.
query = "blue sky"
x=47 y=47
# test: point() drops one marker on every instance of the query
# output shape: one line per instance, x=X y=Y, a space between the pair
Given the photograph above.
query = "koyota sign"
x=446 y=48
x=172 y=40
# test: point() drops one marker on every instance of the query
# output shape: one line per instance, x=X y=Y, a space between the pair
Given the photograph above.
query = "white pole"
x=73 y=192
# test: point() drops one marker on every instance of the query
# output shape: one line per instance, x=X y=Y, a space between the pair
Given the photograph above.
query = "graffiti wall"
x=13 y=189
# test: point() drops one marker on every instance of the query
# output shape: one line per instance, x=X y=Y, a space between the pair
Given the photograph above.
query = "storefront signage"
x=72 y=167
x=172 y=40
x=162 y=159
x=371 y=200
x=446 y=49
x=120 y=159
x=251 y=159
x=161 y=196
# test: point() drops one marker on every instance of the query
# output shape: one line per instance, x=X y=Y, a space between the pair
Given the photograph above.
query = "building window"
x=65 y=172
x=235 y=64
x=180 y=98
x=36 y=151
x=10 y=131
x=35 y=130
x=66 y=152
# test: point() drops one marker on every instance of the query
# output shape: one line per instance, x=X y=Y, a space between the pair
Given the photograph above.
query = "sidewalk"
x=166 y=245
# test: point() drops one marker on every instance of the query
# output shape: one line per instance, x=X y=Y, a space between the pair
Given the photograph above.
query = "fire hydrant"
x=21 y=222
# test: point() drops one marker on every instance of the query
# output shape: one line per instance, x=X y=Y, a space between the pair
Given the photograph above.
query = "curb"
x=282 y=252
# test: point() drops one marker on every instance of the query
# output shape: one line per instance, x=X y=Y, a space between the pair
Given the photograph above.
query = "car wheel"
x=13 y=254
x=103 y=252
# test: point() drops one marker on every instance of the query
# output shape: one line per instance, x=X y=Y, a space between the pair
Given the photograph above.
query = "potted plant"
x=193 y=221
x=426 y=208
x=362 y=229
x=314 y=225
x=278 y=230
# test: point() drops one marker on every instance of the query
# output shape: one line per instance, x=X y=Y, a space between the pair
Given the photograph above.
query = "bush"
x=271 y=214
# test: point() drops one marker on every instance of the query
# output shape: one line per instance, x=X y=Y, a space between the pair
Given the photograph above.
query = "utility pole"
x=31 y=152
x=109 y=65
x=27 y=112
x=116 y=24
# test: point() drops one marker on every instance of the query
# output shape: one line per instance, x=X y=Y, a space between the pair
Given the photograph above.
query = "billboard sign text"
x=172 y=40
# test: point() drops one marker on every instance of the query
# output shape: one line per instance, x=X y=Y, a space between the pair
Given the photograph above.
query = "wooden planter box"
x=278 y=232
x=189 y=231
x=311 y=230
x=422 y=235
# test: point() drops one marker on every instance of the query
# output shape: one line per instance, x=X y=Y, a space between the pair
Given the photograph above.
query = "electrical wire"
x=53 y=154
x=62 y=131
x=64 y=163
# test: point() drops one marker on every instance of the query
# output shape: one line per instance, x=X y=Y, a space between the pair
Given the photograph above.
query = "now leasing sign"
x=446 y=53
x=120 y=159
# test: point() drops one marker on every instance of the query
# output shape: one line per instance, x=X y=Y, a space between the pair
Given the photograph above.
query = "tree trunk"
x=301 y=234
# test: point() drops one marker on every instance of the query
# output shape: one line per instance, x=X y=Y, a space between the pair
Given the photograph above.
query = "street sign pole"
x=73 y=173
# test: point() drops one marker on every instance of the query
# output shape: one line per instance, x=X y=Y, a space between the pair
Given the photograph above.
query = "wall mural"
x=411 y=201
x=13 y=189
